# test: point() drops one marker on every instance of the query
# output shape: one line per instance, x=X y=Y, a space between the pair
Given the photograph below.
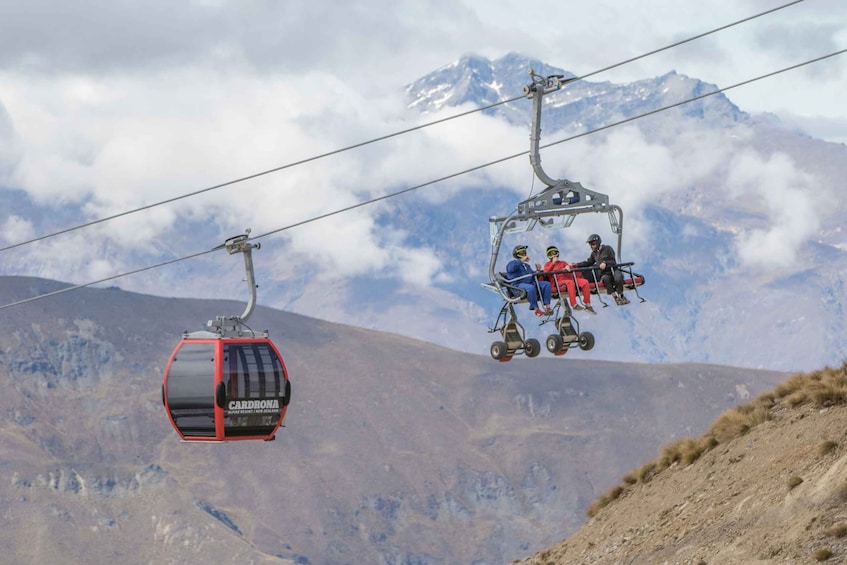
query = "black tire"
x=586 y=341
x=499 y=350
x=555 y=343
x=532 y=347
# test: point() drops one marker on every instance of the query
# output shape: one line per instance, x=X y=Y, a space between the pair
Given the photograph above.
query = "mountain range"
x=394 y=450
x=734 y=219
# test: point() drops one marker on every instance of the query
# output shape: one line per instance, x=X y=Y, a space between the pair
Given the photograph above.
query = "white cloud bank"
x=132 y=108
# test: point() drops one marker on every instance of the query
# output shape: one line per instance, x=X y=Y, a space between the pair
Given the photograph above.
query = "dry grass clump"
x=823 y=554
x=827 y=447
x=824 y=388
x=838 y=531
x=630 y=479
x=738 y=421
x=686 y=451
x=613 y=494
x=646 y=472
x=794 y=481
x=792 y=385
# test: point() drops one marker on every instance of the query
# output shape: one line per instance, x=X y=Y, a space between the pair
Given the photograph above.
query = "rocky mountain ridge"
x=394 y=450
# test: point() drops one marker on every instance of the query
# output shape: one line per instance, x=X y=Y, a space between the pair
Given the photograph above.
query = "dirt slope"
x=774 y=494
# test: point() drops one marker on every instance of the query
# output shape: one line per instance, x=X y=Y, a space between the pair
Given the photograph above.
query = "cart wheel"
x=555 y=343
x=532 y=347
x=586 y=341
x=499 y=350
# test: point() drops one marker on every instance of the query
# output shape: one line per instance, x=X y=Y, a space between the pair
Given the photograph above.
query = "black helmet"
x=594 y=238
x=519 y=250
x=552 y=250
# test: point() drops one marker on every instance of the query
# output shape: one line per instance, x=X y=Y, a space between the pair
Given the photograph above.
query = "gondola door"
x=188 y=390
x=256 y=389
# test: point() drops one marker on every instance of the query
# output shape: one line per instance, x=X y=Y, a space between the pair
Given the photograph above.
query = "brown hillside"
x=769 y=486
x=394 y=451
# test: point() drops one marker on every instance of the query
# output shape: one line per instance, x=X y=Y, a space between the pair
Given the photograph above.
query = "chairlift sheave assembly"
x=554 y=207
x=227 y=383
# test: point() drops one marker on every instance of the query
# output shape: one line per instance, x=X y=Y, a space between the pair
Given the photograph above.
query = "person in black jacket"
x=603 y=259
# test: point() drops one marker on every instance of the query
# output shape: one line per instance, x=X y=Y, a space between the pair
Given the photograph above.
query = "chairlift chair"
x=554 y=207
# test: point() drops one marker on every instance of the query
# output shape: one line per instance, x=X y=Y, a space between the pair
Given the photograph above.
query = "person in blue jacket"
x=521 y=274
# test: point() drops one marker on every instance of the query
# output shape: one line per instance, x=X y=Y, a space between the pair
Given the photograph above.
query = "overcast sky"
x=113 y=105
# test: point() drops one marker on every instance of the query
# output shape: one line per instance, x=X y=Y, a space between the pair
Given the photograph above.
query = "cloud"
x=787 y=195
x=16 y=229
x=361 y=42
x=625 y=166
x=10 y=151
x=121 y=106
x=132 y=141
x=453 y=147
x=832 y=128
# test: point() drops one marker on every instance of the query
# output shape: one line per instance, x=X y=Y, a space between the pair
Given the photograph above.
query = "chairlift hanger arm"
x=540 y=87
x=559 y=191
x=240 y=244
x=561 y=197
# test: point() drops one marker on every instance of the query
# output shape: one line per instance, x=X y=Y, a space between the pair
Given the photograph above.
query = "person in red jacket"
x=568 y=280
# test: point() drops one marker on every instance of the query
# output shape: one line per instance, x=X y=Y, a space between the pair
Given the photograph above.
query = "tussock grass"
x=820 y=389
x=630 y=479
x=646 y=472
x=794 y=481
x=823 y=554
x=838 y=531
x=737 y=422
x=686 y=451
x=792 y=385
x=827 y=447
x=613 y=494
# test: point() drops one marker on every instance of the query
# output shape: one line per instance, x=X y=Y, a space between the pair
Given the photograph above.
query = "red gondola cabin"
x=225 y=388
